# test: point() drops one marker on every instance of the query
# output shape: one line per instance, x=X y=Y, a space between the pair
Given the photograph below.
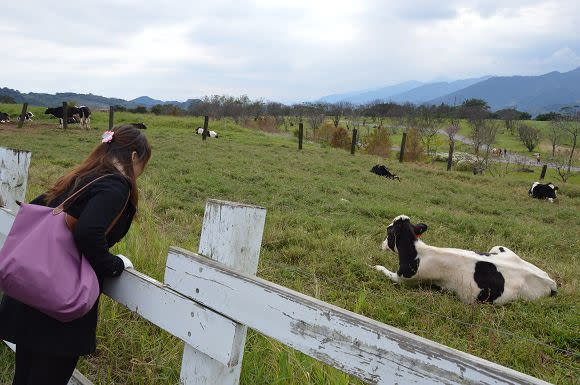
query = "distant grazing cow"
x=4 y=117
x=211 y=134
x=543 y=191
x=81 y=114
x=381 y=170
x=497 y=277
x=57 y=112
x=496 y=152
x=85 y=115
x=28 y=116
x=140 y=126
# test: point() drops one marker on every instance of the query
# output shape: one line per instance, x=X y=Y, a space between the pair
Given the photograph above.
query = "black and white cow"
x=140 y=126
x=543 y=191
x=82 y=115
x=497 y=277
x=381 y=170
x=85 y=115
x=28 y=116
x=211 y=134
x=4 y=117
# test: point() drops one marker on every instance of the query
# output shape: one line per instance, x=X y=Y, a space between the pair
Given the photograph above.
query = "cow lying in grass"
x=211 y=134
x=543 y=191
x=382 y=170
x=28 y=116
x=4 y=117
x=497 y=277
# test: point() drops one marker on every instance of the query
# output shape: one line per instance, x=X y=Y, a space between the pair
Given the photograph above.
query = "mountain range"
x=364 y=96
x=90 y=100
x=533 y=94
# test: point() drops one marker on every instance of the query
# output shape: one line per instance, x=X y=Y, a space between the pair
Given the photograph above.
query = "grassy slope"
x=319 y=244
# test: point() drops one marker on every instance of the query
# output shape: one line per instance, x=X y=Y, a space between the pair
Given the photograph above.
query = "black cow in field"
x=81 y=114
x=4 y=117
x=543 y=191
x=381 y=170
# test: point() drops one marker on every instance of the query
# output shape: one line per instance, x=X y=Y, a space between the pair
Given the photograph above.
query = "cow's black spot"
x=489 y=280
x=502 y=249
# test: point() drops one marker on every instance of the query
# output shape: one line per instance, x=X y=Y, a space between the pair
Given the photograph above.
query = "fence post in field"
x=543 y=173
x=64 y=115
x=353 y=143
x=402 y=151
x=13 y=176
x=111 y=117
x=205 y=132
x=300 y=135
x=231 y=234
x=22 y=115
x=450 y=156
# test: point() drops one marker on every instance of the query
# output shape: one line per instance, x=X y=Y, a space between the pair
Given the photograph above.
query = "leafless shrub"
x=529 y=136
x=340 y=138
x=413 y=147
x=379 y=143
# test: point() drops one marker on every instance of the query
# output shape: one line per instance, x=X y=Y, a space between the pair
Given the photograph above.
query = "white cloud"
x=285 y=49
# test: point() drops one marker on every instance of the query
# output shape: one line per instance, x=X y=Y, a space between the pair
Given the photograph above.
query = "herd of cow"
x=498 y=276
x=74 y=115
x=5 y=118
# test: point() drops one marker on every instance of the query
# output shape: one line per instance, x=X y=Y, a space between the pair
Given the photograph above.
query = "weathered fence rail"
x=209 y=298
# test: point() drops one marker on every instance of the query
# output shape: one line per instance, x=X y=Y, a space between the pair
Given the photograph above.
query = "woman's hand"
x=126 y=261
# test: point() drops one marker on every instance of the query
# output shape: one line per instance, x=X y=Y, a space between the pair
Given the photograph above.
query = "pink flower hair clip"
x=107 y=136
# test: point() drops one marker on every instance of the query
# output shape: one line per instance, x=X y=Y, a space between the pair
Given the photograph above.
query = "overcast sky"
x=287 y=50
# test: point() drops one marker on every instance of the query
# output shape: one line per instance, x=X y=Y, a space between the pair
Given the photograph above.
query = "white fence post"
x=231 y=234
x=13 y=176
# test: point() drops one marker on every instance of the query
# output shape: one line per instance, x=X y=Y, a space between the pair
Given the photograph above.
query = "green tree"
x=7 y=99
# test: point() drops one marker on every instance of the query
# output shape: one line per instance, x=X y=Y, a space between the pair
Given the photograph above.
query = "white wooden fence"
x=13 y=176
x=209 y=298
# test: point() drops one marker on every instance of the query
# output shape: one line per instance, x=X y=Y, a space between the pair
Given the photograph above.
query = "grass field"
x=325 y=221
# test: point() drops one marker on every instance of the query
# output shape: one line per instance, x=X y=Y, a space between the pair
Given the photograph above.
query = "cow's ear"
x=420 y=229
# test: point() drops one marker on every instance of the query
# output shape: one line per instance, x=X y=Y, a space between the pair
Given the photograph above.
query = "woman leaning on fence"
x=47 y=350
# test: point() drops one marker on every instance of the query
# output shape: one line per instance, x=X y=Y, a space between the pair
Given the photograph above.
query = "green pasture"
x=326 y=218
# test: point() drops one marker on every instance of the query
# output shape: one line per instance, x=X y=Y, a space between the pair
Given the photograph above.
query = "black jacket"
x=95 y=208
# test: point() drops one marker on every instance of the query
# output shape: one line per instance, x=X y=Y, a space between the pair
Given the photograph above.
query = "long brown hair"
x=103 y=160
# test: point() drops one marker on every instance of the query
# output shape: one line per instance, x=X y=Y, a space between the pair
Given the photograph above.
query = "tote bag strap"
x=71 y=221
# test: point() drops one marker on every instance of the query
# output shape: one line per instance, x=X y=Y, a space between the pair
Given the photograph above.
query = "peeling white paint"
x=13 y=176
x=374 y=352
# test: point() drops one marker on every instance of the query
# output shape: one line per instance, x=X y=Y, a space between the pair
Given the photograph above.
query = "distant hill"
x=360 y=97
x=533 y=94
x=150 y=102
x=90 y=100
x=431 y=91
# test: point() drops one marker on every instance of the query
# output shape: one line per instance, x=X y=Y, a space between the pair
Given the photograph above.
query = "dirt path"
x=512 y=157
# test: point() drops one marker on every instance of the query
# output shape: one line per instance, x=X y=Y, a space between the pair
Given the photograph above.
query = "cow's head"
x=49 y=111
x=402 y=232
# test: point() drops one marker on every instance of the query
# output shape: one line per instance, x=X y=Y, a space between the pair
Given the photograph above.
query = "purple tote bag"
x=41 y=266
